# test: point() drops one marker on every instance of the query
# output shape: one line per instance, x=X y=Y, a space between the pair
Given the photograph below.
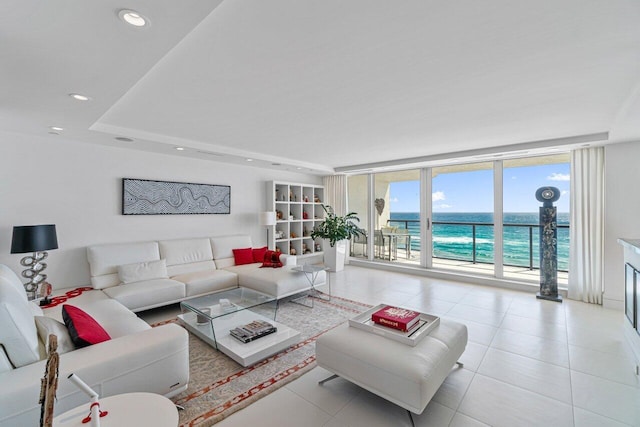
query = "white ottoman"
x=407 y=376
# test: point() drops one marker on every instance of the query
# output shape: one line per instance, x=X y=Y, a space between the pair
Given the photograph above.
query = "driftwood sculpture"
x=49 y=384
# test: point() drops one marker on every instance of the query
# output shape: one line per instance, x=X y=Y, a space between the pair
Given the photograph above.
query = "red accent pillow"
x=243 y=256
x=258 y=254
x=83 y=329
x=271 y=259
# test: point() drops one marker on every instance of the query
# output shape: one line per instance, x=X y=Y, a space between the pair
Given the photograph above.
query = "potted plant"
x=336 y=230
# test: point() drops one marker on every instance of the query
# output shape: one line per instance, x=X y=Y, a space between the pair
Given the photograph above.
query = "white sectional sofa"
x=194 y=267
x=136 y=358
x=126 y=277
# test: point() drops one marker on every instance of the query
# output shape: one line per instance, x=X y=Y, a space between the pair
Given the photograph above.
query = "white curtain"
x=586 y=253
x=335 y=190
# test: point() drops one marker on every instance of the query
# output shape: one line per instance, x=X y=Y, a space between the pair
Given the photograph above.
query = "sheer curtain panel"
x=586 y=252
x=335 y=187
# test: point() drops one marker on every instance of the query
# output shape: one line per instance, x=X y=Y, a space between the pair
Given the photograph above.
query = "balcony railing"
x=414 y=229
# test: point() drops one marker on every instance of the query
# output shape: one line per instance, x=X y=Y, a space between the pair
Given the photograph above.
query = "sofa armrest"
x=155 y=360
x=288 y=260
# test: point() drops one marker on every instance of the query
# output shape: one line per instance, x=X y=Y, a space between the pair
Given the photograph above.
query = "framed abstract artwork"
x=147 y=197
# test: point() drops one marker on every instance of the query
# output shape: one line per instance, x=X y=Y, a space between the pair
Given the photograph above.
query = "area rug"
x=218 y=386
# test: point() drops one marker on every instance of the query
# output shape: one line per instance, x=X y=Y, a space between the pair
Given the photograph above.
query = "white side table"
x=311 y=272
x=125 y=410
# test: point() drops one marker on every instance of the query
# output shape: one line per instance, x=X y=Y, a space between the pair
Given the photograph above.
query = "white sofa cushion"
x=187 y=255
x=18 y=333
x=207 y=281
x=139 y=271
x=280 y=282
x=223 y=246
x=47 y=326
x=105 y=259
x=148 y=294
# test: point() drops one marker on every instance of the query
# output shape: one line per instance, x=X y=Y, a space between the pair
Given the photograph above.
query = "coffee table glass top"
x=240 y=298
x=310 y=268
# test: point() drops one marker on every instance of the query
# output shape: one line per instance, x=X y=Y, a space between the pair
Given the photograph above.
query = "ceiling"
x=323 y=86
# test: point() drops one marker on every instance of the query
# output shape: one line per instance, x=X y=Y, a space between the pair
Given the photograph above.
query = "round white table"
x=124 y=410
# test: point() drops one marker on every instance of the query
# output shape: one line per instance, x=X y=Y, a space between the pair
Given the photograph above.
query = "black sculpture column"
x=548 y=244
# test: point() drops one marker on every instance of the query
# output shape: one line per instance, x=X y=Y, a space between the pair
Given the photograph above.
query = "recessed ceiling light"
x=124 y=139
x=56 y=128
x=299 y=168
x=180 y=148
x=79 y=97
x=249 y=160
x=132 y=17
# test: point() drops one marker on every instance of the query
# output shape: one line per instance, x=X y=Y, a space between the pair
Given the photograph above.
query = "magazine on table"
x=252 y=331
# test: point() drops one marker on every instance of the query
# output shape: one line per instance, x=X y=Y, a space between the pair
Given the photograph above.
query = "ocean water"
x=455 y=241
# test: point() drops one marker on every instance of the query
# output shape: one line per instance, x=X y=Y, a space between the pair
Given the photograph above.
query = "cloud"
x=438 y=195
x=514 y=177
x=394 y=200
x=443 y=206
x=564 y=192
x=559 y=177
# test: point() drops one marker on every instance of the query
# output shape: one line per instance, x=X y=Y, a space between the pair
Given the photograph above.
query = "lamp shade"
x=34 y=238
x=268 y=218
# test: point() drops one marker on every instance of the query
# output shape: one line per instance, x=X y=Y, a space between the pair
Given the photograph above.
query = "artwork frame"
x=154 y=197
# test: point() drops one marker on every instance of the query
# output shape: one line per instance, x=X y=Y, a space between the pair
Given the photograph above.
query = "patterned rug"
x=218 y=386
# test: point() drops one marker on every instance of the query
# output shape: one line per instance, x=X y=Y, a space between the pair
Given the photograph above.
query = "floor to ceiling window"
x=473 y=221
x=397 y=213
x=521 y=179
x=462 y=205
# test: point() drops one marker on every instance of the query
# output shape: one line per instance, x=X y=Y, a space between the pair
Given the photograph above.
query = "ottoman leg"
x=460 y=364
x=332 y=377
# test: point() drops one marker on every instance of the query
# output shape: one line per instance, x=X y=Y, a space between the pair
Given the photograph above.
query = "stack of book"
x=252 y=331
x=396 y=318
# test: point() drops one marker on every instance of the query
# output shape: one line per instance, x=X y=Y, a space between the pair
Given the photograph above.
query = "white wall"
x=78 y=187
x=622 y=214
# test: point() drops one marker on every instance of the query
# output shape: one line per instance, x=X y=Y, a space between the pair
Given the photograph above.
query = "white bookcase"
x=298 y=209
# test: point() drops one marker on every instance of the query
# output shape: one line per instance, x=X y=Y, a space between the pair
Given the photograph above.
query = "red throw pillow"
x=258 y=254
x=83 y=329
x=271 y=259
x=243 y=256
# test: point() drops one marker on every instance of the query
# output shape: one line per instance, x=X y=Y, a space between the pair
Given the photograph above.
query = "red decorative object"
x=396 y=318
x=305 y=215
x=272 y=259
x=83 y=328
x=67 y=295
x=243 y=256
x=258 y=254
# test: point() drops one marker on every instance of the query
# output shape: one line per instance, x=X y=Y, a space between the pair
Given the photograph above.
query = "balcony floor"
x=521 y=274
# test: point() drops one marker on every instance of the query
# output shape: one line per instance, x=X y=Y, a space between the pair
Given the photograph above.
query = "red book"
x=396 y=318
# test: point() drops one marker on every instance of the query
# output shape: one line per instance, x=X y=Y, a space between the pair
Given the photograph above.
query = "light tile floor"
x=528 y=362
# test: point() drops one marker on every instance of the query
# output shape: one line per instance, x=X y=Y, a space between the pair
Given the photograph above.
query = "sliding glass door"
x=463 y=220
x=476 y=218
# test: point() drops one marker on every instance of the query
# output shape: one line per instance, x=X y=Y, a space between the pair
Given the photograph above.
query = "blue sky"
x=473 y=191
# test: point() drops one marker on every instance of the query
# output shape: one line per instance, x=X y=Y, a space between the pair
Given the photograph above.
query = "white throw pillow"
x=47 y=326
x=140 y=271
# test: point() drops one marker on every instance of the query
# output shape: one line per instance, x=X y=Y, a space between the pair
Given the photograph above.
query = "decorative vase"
x=334 y=256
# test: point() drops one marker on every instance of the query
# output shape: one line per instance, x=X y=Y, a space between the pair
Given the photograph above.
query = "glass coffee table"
x=210 y=320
